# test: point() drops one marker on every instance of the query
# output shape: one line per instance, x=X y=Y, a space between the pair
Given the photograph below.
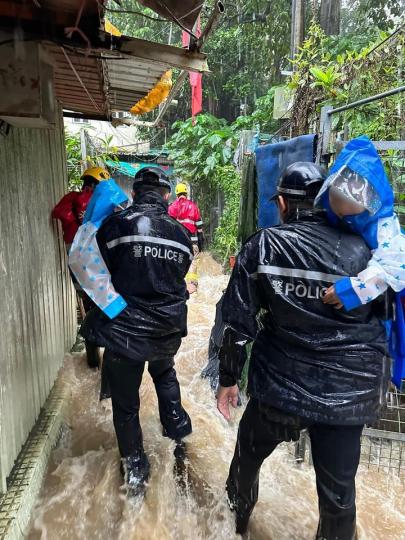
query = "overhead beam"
x=86 y=116
x=103 y=43
x=159 y=52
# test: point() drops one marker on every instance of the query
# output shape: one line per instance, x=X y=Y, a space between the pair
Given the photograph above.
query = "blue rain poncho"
x=85 y=259
x=358 y=175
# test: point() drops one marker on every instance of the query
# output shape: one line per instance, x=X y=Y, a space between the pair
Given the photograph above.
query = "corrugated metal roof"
x=88 y=80
x=111 y=85
x=129 y=80
x=68 y=88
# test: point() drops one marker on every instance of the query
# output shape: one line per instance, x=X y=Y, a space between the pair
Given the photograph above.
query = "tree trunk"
x=297 y=26
x=330 y=17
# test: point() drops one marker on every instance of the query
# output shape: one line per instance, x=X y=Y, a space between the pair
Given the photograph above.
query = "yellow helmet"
x=98 y=173
x=181 y=188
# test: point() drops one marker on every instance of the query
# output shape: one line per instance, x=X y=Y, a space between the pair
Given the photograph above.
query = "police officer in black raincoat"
x=312 y=366
x=148 y=255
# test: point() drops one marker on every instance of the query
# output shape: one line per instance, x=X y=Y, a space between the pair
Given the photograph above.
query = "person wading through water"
x=70 y=211
x=148 y=255
x=312 y=366
x=186 y=212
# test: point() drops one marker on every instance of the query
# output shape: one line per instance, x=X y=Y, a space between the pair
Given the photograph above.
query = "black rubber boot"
x=337 y=533
x=93 y=355
x=241 y=509
x=136 y=471
x=180 y=469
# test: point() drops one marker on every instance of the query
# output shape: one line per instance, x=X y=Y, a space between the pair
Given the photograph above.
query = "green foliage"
x=225 y=238
x=198 y=149
x=246 y=54
x=261 y=117
x=102 y=151
x=202 y=154
x=326 y=74
x=74 y=160
x=358 y=16
x=325 y=79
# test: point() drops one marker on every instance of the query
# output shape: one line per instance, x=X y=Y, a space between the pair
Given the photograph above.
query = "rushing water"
x=82 y=497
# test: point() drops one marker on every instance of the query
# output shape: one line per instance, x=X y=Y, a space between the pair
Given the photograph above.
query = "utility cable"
x=80 y=81
x=394 y=33
x=141 y=14
x=176 y=20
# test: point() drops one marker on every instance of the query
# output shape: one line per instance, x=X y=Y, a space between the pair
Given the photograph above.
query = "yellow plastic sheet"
x=158 y=94
x=111 y=29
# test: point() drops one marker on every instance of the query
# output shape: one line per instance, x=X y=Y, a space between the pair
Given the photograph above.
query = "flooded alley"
x=141 y=142
x=82 y=496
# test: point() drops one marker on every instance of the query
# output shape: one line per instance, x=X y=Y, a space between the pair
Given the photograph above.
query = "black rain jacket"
x=308 y=358
x=148 y=254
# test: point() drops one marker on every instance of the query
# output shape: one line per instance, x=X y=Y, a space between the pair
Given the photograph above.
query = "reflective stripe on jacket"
x=308 y=358
x=188 y=214
x=148 y=255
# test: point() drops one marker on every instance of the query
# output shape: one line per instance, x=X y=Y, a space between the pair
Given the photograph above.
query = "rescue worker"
x=312 y=366
x=188 y=214
x=148 y=255
x=70 y=211
x=71 y=208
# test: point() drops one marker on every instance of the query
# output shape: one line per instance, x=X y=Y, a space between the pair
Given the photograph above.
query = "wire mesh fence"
x=394 y=160
x=382 y=444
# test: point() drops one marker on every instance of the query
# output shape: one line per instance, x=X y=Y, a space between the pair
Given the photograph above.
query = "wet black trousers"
x=335 y=454
x=124 y=378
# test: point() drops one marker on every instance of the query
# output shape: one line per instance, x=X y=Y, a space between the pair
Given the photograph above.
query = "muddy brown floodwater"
x=82 y=497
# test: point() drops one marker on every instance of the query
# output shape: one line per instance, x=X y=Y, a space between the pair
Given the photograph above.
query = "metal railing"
x=382 y=444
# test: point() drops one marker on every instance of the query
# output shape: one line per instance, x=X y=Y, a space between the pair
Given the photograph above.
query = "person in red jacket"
x=70 y=211
x=188 y=214
x=71 y=208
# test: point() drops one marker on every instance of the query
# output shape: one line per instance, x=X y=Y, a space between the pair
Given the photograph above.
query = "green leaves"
x=73 y=159
x=339 y=70
x=214 y=140
x=202 y=155
x=197 y=150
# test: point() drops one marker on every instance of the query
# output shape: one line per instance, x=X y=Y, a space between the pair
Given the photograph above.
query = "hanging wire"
x=140 y=13
x=173 y=16
x=388 y=38
x=80 y=80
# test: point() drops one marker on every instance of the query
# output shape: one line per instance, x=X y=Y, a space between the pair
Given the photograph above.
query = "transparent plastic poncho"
x=353 y=188
x=360 y=164
x=85 y=259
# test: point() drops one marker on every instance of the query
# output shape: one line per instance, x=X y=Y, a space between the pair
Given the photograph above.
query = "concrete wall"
x=37 y=303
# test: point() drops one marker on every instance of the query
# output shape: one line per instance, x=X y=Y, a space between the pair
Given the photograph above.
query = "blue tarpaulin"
x=271 y=160
x=398 y=341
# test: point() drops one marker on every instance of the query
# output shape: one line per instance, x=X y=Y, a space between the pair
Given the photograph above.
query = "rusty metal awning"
x=78 y=81
x=96 y=83
x=130 y=80
x=96 y=73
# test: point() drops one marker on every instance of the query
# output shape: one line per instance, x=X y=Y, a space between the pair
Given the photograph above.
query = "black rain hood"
x=308 y=358
x=148 y=255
